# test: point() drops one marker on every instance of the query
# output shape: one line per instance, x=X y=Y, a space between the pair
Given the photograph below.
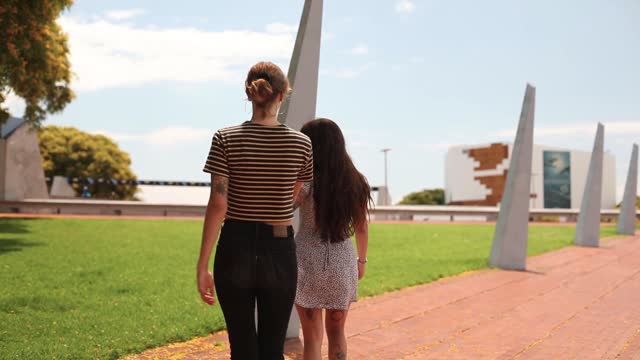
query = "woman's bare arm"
x=298 y=194
x=362 y=244
x=216 y=211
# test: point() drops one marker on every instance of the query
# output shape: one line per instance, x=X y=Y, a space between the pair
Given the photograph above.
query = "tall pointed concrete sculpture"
x=588 y=228
x=627 y=218
x=300 y=107
x=509 y=249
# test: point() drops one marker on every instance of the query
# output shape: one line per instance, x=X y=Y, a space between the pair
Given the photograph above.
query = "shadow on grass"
x=20 y=304
x=13 y=245
x=15 y=225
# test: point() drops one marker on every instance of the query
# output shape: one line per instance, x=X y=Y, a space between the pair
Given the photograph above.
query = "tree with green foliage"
x=637 y=203
x=69 y=152
x=34 y=63
x=424 y=197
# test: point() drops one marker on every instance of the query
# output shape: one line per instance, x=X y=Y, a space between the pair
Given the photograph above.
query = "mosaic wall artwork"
x=557 y=179
x=488 y=158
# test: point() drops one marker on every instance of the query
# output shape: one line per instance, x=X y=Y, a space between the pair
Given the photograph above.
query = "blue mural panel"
x=557 y=179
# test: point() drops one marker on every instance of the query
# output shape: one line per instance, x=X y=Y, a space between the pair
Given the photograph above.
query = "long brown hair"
x=341 y=193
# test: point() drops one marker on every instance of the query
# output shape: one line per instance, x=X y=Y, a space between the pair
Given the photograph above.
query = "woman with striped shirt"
x=257 y=169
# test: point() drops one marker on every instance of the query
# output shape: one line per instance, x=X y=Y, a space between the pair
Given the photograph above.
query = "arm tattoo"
x=302 y=196
x=340 y=355
x=220 y=185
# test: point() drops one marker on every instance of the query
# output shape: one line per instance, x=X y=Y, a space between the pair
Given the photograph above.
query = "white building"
x=21 y=172
x=477 y=174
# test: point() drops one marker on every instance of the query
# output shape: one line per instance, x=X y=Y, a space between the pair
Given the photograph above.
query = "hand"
x=361 y=269
x=206 y=287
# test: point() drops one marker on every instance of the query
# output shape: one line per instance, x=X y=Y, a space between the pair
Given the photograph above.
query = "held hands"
x=206 y=287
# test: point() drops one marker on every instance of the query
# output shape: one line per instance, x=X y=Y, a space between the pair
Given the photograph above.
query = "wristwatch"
x=363 y=262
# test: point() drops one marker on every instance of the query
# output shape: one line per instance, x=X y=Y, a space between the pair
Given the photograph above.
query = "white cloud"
x=14 y=104
x=124 y=14
x=168 y=136
x=582 y=129
x=280 y=28
x=351 y=73
x=106 y=54
x=348 y=73
x=117 y=136
x=438 y=146
x=163 y=136
x=617 y=133
x=405 y=6
x=360 y=49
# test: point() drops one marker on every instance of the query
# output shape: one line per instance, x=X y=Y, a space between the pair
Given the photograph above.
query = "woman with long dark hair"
x=257 y=169
x=332 y=208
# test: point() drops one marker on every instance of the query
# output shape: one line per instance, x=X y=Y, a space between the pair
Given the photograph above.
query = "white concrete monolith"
x=588 y=227
x=627 y=219
x=509 y=248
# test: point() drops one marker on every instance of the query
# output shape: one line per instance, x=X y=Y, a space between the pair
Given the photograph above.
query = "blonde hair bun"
x=260 y=91
x=265 y=83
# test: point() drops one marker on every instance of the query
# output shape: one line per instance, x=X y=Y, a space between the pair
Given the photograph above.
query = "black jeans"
x=252 y=265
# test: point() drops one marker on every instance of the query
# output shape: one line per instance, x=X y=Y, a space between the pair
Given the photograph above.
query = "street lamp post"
x=386 y=180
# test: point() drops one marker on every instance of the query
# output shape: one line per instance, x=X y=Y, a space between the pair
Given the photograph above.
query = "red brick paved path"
x=574 y=303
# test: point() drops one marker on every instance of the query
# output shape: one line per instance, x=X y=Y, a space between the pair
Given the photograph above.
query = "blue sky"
x=413 y=75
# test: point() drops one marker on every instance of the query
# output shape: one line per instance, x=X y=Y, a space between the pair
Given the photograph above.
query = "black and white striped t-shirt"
x=263 y=164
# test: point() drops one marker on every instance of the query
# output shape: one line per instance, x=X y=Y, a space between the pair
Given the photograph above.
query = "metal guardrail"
x=475 y=210
x=490 y=212
x=115 y=182
x=137 y=208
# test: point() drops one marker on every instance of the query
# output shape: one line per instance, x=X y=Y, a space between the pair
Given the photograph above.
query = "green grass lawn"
x=105 y=288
